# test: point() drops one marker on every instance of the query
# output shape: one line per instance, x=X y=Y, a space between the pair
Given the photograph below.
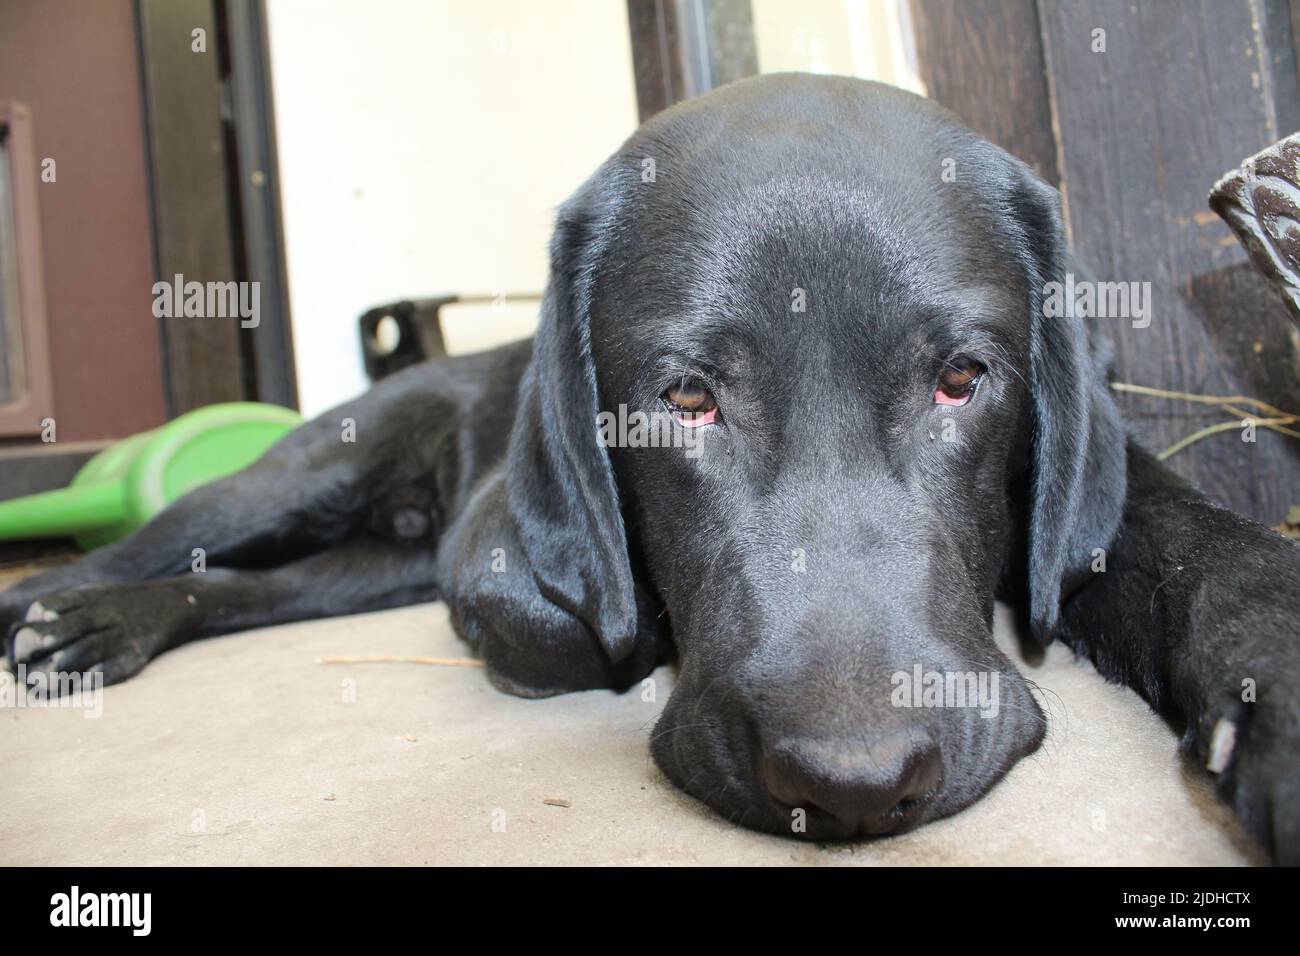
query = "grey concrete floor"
x=247 y=750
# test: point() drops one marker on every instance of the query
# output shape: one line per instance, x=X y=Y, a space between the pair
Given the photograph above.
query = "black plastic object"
x=403 y=333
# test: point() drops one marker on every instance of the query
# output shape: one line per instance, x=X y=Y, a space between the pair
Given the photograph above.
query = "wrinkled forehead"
x=864 y=261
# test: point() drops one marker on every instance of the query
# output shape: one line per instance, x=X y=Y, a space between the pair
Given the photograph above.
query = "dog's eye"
x=691 y=403
x=957 y=381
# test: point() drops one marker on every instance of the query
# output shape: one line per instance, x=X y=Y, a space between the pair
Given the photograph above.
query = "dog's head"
x=825 y=298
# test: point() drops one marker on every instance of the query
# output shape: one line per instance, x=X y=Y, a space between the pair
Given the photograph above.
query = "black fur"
x=824 y=539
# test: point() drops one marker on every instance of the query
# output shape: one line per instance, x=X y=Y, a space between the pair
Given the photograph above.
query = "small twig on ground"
x=1213 y=430
x=1277 y=422
x=1265 y=407
x=1233 y=410
x=388 y=659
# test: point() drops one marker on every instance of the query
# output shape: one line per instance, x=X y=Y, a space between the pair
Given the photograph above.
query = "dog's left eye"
x=957 y=381
x=691 y=403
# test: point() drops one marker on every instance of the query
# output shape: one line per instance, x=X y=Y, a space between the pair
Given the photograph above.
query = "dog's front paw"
x=13 y=607
x=1253 y=749
x=83 y=630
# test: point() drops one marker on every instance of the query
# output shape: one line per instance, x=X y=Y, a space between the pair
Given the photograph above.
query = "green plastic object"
x=125 y=485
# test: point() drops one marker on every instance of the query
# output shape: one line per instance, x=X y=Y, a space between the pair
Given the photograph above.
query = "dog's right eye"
x=691 y=403
x=957 y=381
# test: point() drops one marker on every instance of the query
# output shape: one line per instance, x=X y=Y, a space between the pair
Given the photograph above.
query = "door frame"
x=21 y=416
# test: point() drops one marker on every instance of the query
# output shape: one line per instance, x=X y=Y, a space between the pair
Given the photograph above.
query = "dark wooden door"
x=1134 y=110
x=74 y=69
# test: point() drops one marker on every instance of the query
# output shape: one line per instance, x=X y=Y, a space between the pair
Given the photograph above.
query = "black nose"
x=854 y=789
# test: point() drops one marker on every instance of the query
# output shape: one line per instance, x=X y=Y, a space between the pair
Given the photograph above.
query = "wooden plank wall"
x=204 y=358
x=1138 y=134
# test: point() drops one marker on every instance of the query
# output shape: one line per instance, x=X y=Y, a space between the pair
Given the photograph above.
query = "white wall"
x=870 y=39
x=423 y=148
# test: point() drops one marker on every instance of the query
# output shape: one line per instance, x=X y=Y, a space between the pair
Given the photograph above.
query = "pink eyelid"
x=696 y=421
x=943 y=398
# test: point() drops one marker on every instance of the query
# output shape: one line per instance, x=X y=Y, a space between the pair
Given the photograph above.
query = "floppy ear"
x=1077 y=480
x=560 y=485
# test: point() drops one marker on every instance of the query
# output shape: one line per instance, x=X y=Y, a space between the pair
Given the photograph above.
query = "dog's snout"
x=853 y=789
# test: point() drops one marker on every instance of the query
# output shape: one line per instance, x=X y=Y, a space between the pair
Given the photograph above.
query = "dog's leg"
x=530 y=645
x=295 y=500
x=118 y=628
x=317 y=486
x=1199 y=610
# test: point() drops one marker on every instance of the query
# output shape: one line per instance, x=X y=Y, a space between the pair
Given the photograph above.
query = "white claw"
x=1222 y=741
x=39 y=612
x=25 y=642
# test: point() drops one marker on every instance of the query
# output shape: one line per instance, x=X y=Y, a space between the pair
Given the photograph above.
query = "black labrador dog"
x=827 y=298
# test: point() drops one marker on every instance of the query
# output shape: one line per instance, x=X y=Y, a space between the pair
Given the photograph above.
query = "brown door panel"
x=75 y=65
